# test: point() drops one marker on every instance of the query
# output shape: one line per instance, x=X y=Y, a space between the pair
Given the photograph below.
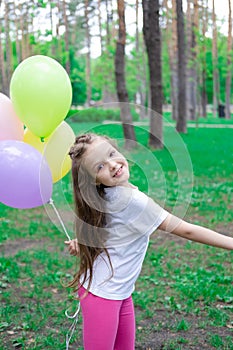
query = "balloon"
x=11 y=128
x=55 y=148
x=41 y=93
x=25 y=177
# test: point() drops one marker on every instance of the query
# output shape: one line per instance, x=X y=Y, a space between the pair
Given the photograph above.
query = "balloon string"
x=72 y=327
x=59 y=217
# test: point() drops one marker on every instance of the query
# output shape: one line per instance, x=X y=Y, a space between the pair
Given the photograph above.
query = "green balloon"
x=41 y=93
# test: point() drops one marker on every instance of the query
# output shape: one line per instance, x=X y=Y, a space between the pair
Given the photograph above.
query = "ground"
x=164 y=329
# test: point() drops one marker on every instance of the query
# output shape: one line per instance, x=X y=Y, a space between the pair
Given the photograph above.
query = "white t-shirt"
x=131 y=218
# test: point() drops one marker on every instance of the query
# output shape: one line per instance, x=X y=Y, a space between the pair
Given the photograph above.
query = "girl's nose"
x=112 y=164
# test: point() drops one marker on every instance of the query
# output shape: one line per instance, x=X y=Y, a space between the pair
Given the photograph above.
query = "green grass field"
x=184 y=295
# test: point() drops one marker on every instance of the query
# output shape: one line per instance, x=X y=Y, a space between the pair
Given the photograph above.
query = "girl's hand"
x=73 y=247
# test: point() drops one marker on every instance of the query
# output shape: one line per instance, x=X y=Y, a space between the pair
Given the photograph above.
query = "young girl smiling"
x=114 y=221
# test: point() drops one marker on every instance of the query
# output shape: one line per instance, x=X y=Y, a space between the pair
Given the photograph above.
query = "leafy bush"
x=96 y=115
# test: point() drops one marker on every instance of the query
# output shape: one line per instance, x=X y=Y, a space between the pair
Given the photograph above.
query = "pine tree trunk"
x=66 y=36
x=181 y=121
x=171 y=35
x=88 y=54
x=3 y=79
x=8 y=65
x=18 y=48
x=203 y=63
x=152 y=36
x=100 y=27
x=122 y=93
x=141 y=93
x=216 y=100
x=229 y=64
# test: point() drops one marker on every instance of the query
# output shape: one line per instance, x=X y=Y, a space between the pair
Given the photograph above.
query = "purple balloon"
x=25 y=177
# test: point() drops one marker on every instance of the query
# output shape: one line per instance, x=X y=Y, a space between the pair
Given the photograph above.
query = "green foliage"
x=96 y=114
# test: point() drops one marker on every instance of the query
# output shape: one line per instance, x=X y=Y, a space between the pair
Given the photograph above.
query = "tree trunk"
x=192 y=61
x=171 y=37
x=152 y=36
x=215 y=65
x=107 y=24
x=18 y=47
x=66 y=36
x=203 y=63
x=181 y=121
x=122 y=93
x=229 y=64
x=8 y=65
x=141 y=93
x=2 y=65
x=88 y=54
x=100 y=27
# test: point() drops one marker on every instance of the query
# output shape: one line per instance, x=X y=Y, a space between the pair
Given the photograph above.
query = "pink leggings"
x=107 y=324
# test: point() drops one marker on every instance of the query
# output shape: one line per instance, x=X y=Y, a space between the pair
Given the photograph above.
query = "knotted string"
x=71 y=330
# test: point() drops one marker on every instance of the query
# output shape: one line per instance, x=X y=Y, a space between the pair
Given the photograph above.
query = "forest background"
x=164 y=61
x=152 y=53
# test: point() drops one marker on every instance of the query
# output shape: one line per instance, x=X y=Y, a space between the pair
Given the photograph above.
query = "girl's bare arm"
x=195 y=233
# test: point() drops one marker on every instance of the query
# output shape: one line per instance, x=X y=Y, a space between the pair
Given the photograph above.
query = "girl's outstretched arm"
x=195 y=233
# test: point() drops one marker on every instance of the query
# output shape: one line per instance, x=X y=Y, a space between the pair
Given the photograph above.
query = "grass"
x=184 y=290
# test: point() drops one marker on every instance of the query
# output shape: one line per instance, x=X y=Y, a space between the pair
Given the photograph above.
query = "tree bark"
x=181 y=121
x=8 y=66
x=3 y=80
x=152 y=37
x=171 y=37
x=122 y=93
x=216 y=88
x=66 y=35
x=229 y=63
x=203 y=63
x=141 y=76
x=88 y=54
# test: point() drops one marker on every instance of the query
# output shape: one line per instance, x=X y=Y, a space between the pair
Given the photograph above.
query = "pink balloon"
x=11 y=128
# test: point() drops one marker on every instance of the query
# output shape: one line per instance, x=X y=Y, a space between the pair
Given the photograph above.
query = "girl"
x=114 y=221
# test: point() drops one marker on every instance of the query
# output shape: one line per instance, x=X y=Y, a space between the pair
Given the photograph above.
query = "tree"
x=88 y=54
x=122 y=93
x=216 y=92
x=8 y=66
x=3 y=78
x=152 y=37
x=171 y=36
x=140 y=68
x=181 y=121
x=193 y=62
x=229 y=63
x=203 y=72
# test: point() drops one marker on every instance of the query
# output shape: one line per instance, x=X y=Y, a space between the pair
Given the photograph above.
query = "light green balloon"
x=41 y=93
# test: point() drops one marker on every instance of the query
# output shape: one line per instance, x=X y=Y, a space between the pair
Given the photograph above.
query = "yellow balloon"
x=55 y=148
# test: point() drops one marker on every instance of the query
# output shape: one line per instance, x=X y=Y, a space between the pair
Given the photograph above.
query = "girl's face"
x=105 y=164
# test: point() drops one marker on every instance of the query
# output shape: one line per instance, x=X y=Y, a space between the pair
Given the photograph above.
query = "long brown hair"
x=90 y=211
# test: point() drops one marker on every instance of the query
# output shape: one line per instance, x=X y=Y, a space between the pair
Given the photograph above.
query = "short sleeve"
x=133 y=217
x=146 y=214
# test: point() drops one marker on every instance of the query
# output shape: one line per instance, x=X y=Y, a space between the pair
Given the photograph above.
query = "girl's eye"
x=112 y=153
x=99 y=167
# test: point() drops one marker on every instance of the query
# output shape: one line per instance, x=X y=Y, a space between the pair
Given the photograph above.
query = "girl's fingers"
x=72 y=246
